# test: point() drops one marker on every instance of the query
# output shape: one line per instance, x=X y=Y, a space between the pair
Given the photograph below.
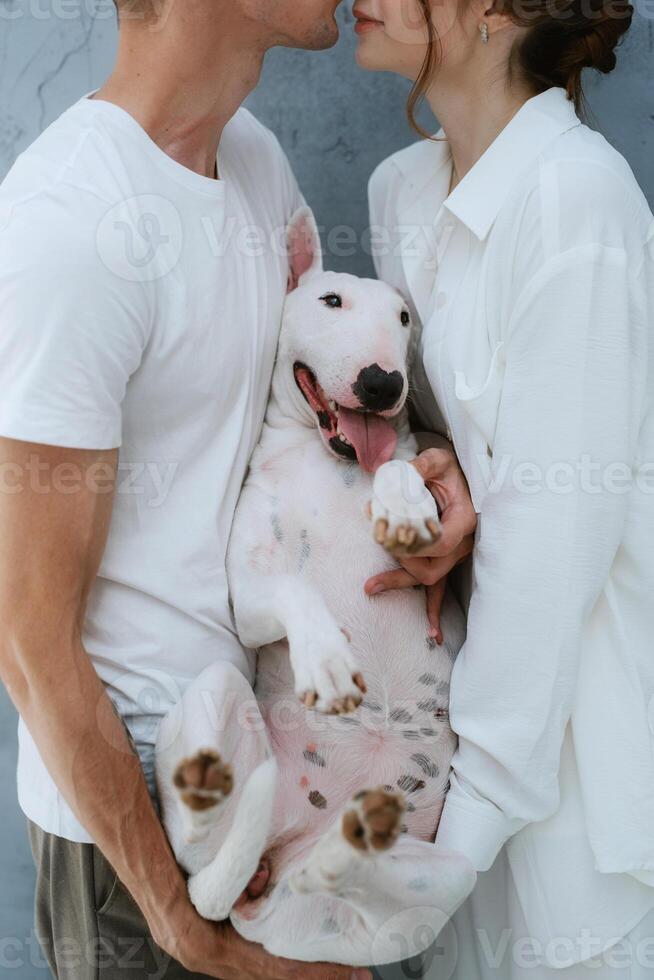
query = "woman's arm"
x=549 y=530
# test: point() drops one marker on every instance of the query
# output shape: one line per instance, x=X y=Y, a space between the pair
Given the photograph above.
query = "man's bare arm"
x=55 y=511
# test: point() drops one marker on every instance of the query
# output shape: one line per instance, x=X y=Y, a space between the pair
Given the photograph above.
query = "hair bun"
x=567 y=36
x=594 y=46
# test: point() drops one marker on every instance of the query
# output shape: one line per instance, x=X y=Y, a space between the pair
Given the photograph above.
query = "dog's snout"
x=378 y=390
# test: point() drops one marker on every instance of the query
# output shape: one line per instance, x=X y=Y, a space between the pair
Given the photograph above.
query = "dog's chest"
x=400 y=736
x=317 y=518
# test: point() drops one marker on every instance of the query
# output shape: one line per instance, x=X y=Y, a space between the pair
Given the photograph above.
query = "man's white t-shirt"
x=140 y=306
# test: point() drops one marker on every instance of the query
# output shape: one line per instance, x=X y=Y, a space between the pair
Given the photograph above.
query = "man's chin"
x=320 y=40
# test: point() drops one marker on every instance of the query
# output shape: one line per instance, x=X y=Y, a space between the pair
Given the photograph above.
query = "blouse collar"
x=477 y=200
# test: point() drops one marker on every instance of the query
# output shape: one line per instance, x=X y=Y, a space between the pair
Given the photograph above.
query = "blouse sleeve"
x=549 y=529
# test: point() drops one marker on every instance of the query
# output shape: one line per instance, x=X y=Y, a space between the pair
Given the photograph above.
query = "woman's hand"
x=430 y=567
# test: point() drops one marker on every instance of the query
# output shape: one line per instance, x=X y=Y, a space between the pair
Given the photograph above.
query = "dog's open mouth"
x=356 y=435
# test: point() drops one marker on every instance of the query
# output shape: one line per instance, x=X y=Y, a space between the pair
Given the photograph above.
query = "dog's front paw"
x=403 y=511
x=326 y=674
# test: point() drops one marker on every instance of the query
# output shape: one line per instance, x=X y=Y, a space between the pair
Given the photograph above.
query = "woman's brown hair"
x=565 y=36
x=142 y=9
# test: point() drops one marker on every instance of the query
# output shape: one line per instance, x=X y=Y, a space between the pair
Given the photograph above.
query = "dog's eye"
x=332 y=300
x=405 y=318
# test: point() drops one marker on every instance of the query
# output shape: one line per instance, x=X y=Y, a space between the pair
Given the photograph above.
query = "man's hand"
x=55 y=509
x=430 y=566
x=217 y=950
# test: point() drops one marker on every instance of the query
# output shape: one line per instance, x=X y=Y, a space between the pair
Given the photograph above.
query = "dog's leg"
x=342 y=858
x=272 y=604
x=407 y=444
x=268 y=608
x=204 y=781
x=215 y=780
x=365 y=896
x=403 y=511
x=399 y=892
x=215 y=889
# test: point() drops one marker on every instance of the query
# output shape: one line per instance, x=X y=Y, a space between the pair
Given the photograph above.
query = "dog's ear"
x=304 y=251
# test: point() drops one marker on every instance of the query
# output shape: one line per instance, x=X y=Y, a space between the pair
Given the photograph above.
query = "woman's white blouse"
x=534 y=281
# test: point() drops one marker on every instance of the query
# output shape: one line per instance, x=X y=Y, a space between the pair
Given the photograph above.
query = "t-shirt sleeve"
x=72 y=331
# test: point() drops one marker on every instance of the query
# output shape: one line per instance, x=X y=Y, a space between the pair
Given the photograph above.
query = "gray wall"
x=336 y=124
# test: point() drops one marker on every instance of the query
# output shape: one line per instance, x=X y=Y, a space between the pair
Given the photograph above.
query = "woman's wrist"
x=432 y=440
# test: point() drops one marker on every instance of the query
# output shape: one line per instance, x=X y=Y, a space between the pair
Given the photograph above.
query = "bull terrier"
x=306 y=812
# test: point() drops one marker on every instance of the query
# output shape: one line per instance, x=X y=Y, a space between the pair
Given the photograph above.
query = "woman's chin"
x=366 y=56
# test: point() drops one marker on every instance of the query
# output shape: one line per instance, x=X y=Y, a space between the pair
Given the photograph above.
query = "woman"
x=527 y=250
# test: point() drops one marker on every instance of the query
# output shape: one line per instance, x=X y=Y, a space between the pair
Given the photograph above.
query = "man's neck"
x=183 y=103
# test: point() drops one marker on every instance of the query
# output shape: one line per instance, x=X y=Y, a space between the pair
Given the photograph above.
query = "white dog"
x=340 y=766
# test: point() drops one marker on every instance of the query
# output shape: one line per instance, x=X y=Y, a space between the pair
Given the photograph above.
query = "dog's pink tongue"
x=373 y=438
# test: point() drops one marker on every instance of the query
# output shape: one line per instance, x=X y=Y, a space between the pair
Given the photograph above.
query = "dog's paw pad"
x=403 y=511
x=330 y=682
x=375 y=820
x=204 y=780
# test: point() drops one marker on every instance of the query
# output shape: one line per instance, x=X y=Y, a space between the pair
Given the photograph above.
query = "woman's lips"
x=365 y=24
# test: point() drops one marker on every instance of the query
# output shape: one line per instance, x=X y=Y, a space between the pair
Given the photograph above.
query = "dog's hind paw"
x=374 y=820
x=204 y=780
x=403 y=511
x=341 y=860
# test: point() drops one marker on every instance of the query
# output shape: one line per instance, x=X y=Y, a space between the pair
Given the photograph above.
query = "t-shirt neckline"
x=195 y=181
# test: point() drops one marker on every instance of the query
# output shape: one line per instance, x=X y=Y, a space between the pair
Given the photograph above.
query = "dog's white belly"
x=400 y=736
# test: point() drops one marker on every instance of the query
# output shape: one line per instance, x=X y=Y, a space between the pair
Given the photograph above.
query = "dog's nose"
x=378 y=390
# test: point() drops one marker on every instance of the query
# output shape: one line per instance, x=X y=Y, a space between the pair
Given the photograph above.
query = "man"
x=133 y=313
x=142 y=278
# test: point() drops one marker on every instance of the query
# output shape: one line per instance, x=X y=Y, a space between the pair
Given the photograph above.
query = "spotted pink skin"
x=302 y=516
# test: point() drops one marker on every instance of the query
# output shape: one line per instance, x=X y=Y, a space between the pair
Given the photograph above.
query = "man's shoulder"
x=49 y=163
x=252 y=155
x=246 y=134
x=56 y=204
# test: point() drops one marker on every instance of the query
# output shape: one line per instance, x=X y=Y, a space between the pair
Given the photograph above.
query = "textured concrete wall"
x=336 y=124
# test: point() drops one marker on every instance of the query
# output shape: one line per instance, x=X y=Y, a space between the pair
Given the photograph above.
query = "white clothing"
x=534 y=281
x=140 y=307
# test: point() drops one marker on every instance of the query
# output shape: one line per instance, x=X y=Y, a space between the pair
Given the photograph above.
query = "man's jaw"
x=324 y=35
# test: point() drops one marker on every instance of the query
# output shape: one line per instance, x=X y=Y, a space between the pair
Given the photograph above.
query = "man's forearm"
x=87 y=751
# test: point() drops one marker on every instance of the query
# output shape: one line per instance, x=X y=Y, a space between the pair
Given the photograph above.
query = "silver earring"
x=484 y=33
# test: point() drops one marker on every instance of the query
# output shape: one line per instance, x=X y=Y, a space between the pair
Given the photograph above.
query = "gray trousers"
x=88 y=925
